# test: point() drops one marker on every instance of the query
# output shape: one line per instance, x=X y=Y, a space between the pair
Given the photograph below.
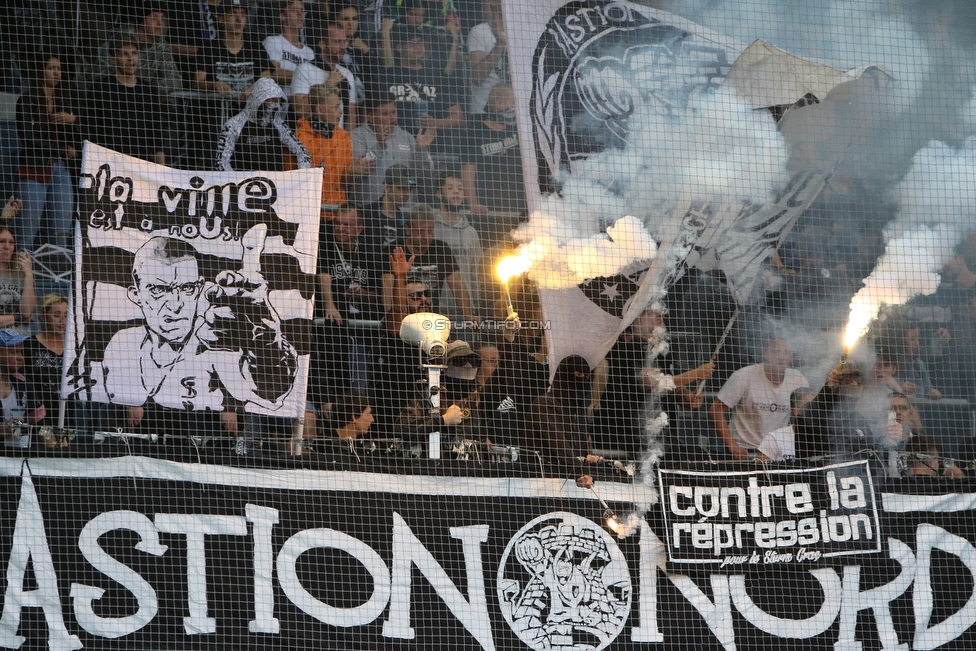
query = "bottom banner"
x=140 y=553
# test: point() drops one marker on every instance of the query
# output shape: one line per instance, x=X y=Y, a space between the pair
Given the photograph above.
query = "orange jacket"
x=333 y=154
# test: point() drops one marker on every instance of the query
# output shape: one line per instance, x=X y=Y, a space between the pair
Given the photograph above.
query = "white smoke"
x=844 y=34
x=562 y=255
x=716 y=148
x=937 y=207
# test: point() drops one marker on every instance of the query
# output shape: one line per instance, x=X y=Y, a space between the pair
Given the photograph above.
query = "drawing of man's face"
x=167 y=292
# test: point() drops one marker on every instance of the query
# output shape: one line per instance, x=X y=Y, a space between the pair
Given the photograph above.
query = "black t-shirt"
x=258 y=148
x=192 y=23
x=396 y=378
x=381 y=231
x=431 y=268
x=622 y=403
x=131 y=121
x=43 y=368
x=239 y=70
x=499 y=160
x=416 y=92
x=509 y=392
x=359 y=268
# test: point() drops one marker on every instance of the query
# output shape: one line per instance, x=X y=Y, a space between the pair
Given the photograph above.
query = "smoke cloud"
x=716 y=147
x=937 y=207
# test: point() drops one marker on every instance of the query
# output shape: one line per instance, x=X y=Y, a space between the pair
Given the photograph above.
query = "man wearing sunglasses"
x=432 y=263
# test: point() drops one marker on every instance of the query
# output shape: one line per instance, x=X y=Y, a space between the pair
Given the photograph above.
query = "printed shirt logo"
x=771 y=407
x=563 y=583
x=499 y=146
x=506 y=405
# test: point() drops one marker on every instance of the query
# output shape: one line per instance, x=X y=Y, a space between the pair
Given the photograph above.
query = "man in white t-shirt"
x=331 y=43
x=286 y=49
x=487 y=54
x=760 y=398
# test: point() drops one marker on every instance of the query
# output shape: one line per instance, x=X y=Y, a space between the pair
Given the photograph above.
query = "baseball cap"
x=850 y=370
x=399 y=176
x=227 y=5
x=10 y=337
x=459 y=352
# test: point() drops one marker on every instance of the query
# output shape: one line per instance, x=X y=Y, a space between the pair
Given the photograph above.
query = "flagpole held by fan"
x=719 y=345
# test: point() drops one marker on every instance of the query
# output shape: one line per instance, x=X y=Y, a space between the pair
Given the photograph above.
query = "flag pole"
x=718 y=347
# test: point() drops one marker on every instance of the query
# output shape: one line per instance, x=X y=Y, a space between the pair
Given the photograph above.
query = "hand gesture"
x=223 y=88
x=453 y=415
x=333 y=315
x=63 y=117
x=944 y=335
x=360 y=44
x=335 y=78
x=24 y=263
x=361 y=166
x=704 y=371
x=135 y=416
x=895 y=431
x=425 y=137
x=692 y=399
x=239 y=300
x=427 y=122
x=933 y=394
x=479 y=209
x=908 y=388
x=454 y=29
x=584 y=481
x=833 y=378
x=11 y=208
x=399 y=264
x=512 y=326
x=498 y=31
x=228 y=421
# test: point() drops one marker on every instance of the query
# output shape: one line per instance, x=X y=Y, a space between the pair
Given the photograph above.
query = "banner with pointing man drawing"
x=193 y=290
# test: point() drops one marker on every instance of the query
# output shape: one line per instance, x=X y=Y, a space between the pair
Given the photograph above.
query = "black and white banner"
x=769 y=516
x=133 y=553
x=193 y=290
x=577 y=60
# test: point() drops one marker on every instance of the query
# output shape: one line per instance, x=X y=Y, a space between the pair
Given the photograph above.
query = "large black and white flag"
x=596 y=67
x=580 y=60
x=193 y=290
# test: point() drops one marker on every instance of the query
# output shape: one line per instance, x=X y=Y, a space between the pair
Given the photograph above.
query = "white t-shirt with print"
x=481 y=39
x=758 y=405
x=779 y=444
x=288 y=56
x=309 y=74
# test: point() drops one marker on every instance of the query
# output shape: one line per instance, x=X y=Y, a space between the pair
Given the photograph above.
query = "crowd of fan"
x=411 y=116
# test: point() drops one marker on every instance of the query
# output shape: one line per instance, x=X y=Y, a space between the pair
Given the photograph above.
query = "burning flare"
x=861 y=314
x=512 y=265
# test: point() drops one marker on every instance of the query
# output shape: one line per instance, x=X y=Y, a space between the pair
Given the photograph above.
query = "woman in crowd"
x=17 y=299
x=48 y=132
x=44 y=354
